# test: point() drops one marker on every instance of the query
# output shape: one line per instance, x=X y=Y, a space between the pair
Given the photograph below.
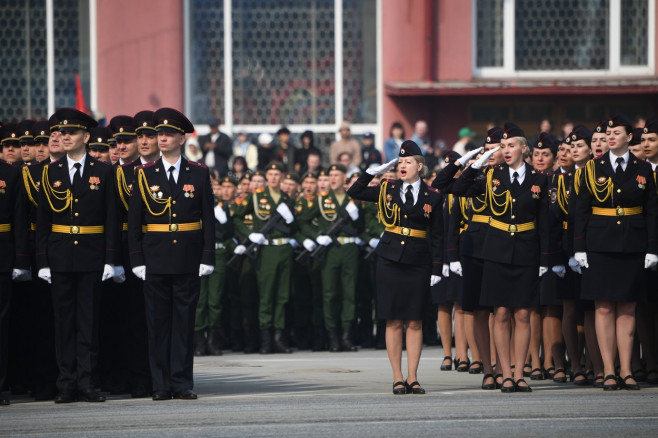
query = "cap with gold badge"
x=651 y=126
x=71 y=120
x=409 y=148
x=339 y=167
x=24 y=131
x=173 y=121
x=99 y=138
x=511 y=130
x=122 y=127
x=144 y=122
x=41 y=131
x=275 y=165
x=579 y=132
x=8 y=134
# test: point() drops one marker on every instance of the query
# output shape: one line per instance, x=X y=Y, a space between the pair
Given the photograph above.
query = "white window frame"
x=227 y=119
x=614 y=55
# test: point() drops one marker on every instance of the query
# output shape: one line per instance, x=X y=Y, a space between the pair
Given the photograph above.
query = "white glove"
x=119 y=274
x=434 y=279
x=484 y=158
x=220 y=214
x=378 y=170
x=468 y=155
x=560 y=270
x=650 y=261
x=285 y=213
x=293 y=243
x=445 y=271
x=323 y=240
x=574 y=265
x=239 y=250
x=581 y=258
x=257 y=238
x=359 y=242
x=373 y=242
x=542 y=270
x=140 y=272
x=456 y=267
x=44 y=274
x=352 y=210
x=205 y=269
x=309 y=245
x=21 y=275
x=108 y=272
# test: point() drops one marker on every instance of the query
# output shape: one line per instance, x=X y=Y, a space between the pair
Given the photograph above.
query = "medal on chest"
x=3 y=187
x=94 y=182
x=535 y=192
x=188 y=189
x=641 y=181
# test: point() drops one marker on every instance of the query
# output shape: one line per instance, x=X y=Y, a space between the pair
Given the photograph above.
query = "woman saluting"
x=410 y=255
x=615 y=240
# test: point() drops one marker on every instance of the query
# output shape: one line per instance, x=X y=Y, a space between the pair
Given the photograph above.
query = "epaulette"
x=261 y=190
x=196 y=163
x=433 y=189
x=144 y=166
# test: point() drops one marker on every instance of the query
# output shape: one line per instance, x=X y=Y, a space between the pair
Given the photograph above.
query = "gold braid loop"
x=576 y=180
x=562 y=197
x=463 y=206
x=122 y=187
x=493 y=197
x=450 y=198
x=601 y=191
x=144 y=189
x=29 y=185
x=59 y=195
x=483 y=203
x=387 y=216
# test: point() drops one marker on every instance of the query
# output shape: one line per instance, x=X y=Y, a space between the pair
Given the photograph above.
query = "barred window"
x=489 y=33
x=634 y=32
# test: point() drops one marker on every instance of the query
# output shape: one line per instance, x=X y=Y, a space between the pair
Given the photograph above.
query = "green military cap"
x=323 y=173
x=258 y=173
x=228 y=179
x=338 y=167
x=293 y=176
x=246 y=176
x=275 y=165
x=309 y=174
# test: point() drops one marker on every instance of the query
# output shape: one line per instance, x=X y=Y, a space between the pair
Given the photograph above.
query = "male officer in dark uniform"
x=77 y=248
x=9 y=192
x=172 y=200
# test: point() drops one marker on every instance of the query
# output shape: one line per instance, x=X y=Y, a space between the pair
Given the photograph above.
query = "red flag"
x=79 y=97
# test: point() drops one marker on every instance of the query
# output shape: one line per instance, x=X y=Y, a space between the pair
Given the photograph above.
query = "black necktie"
x=409 y=198
x=620 y=170
x=172 y=181
x=77 y=178
x=515 y=180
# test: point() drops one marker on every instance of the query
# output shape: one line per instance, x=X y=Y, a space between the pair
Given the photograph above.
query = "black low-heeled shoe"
x=463 y=366
x=583 y=382
x=488 y=385
x=401 y=388
x=560 y=379
x=598 y=382
x=612 y=387
x=507 y=389
x=536 y=374
x=630 y=386
x=549 y=373
x=414 y=388
x=519 y=388
x=527 y=373
x=498 y=384
x=446 y=367
x=475 y=368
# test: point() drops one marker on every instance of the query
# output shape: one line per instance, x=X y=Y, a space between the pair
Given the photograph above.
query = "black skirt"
x=471 y=284
x=447 y=291
x=510 y=286
x=614 y=277
x=552 y=288
x=403 y=290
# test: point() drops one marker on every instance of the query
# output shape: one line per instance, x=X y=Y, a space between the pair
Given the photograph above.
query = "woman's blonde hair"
x=424 y=171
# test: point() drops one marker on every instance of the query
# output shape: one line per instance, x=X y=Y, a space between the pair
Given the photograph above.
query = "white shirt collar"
x=70 y=163
x=520 y=171
x=167 y=165
x=613 y=158
x=415 y=187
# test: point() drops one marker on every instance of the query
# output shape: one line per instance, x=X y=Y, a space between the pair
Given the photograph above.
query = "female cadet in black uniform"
x=615 y=240
x=409 y=262
x=516 y=247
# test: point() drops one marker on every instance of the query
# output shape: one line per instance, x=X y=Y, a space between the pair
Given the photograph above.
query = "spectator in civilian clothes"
x=219 y=144
x=307 y=147
x=345 y=144
x=286 y=150
x=420 y=136
x=267 y=151
x=369 y=153
x=243 y=147
x=392 y=145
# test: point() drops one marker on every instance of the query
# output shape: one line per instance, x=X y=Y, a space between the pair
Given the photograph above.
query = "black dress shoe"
x=507 y=389
x=399 y=388
x=631 y=386
x=161 y=395
x=186 y=394
x=607 y=387
x=65 y=397
x=90 y=395
x=414 y=388
x=524 y=388
x=446 y=366
x=491 y=385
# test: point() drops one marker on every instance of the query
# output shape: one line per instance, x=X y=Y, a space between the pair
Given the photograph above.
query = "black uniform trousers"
x=171 y=302
x=76 y=306
x=5 y=302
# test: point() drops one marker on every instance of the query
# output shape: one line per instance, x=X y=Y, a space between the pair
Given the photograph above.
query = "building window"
x=530 y=38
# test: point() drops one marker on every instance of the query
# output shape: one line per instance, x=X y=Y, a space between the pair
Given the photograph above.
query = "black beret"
x=112 y=142
x=71 y=119
x=409 y=148
x=600 y=127
x=494 y=135
x=637 y=137
x=144 y=122
x=24 y=131
x=512 y=130
x=171 y=120
x=546 y=141
x=53 y=123
x=99 y=138
x=338 y=167
x=293 y=176
x=619 y=119
x=651 y=126
x=579 y=132
x=8 y=133
x=41 y=131
x=122 y=127
x=275 y=165
x=451 y=156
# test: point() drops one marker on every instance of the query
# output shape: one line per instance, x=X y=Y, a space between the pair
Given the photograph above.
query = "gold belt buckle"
x=406 y=231
x=620 y=211
x=512 y=228
x=173 y=227
x=75 y=229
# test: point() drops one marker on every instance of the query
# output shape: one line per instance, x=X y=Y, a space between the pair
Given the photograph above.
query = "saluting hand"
x=484 y=158
x=378 y=170
x=468 y=155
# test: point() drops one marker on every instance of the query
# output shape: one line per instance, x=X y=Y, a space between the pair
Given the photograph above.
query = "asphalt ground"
x=342 y=394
